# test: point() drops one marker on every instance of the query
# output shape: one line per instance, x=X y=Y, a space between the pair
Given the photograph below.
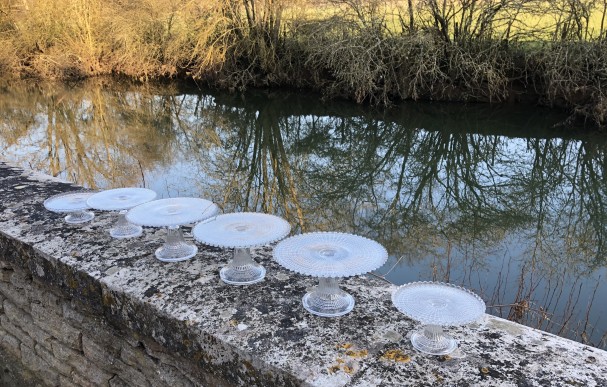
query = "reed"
x=549 y=51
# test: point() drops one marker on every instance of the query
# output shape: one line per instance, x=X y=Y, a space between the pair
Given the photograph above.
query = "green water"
x=495 y=198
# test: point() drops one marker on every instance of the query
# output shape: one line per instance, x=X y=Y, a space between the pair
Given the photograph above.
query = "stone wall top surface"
x=260 y=334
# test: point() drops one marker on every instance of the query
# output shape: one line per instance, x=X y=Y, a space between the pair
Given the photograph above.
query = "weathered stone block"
x=10 y=343
x=25 y=322
x=70 y=314
x=14 y=313
x=65 y=353
x=5 y=275
x=156 y=351
x=103 y=335
x=20 y=279
x=90 y=371
x=17 y=297
x=5 y=265
x=15 y=331
x=40 y=312
x=37 y=364
x=134 y=340
x=65 y=381
x=133 y=376
x=172 y=376
x=118 y=382
x=60 y=366
x=61 y=330
x=136 y=357
x=39 y=336
x=81 y=381
x=45 y=297
x=106 y=358
x=70 y=336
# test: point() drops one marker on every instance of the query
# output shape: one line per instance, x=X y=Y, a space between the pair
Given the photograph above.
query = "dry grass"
x=368 y=50
x=140 y=38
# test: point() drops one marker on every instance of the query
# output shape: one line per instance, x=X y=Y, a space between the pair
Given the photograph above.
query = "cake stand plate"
x=73 y=203
x=241 y=231
x=435 y=305
x=122 y=199
x=329 y=255
x=172 y=213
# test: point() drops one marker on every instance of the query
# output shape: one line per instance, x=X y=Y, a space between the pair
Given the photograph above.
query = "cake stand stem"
x=433 y=341
x=122 y=218
x=434 y=332
x=80 y=216
x=327 y=299
x=175 y=247
x=328 y=288
x=242 y=270
x=242 y=257
x=124 y=229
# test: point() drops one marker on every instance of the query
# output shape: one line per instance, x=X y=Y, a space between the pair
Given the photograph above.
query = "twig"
x=142 y=174
x=381 y=277
x=393 y=266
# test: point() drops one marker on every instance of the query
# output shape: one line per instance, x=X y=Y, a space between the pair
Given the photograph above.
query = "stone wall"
x=50 y=339
x=80 y=308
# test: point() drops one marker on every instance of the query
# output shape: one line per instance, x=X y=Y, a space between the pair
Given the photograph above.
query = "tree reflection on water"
x=488 y=198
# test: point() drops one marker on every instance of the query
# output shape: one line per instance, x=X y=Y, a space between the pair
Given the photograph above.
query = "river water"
x=498 y=199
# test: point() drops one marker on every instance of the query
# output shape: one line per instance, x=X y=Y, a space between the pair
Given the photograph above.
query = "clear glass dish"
x=437 y=304
x=241 y=231
x=122 y=199
x=329 y=255
x=172 y=213
x=74 y=203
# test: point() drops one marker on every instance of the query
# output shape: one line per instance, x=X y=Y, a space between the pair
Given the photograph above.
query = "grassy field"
x=551 y=52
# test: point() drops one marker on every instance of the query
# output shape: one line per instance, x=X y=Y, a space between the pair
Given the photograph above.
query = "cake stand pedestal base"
x=78 y=217
x=175 y=248
x=123 y=229
x=328 y=300
x=433 y=341
x=242 y=270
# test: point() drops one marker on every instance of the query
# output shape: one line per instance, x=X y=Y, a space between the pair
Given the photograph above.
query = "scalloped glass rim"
x=52 y=202
x=462 y=314
x=258 y=229
x=330 y=254
x=193 y=209
x=120 y=198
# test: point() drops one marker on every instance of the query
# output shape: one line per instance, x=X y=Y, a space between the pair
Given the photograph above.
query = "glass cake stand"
x=173 y=213
x=122 y=199
x=437 y=304
x=73 y=203
x=329 y=255
x=241 y=231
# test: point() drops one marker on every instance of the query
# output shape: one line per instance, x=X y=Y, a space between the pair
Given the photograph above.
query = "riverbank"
x=544 y=53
